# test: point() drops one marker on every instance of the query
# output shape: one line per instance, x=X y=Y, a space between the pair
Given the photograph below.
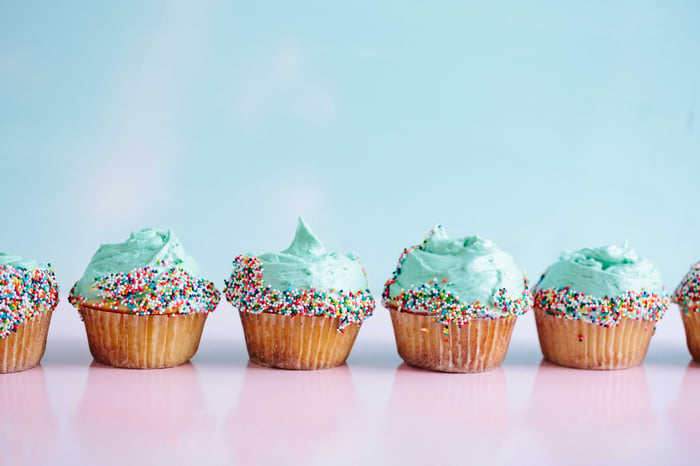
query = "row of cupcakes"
x=453 y=304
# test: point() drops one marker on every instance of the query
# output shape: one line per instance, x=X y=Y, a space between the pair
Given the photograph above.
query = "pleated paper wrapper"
x=584 y=345
x=478 y=346
x=691 y=323
x=120 y=339
x=297 y=342
x=23 y=349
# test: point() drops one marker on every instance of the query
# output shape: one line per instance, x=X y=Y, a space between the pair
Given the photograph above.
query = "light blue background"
x=543 y=127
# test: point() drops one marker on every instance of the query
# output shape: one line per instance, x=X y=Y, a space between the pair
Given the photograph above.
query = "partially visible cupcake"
x=300 y=308
x=687 y=296
x=454 y=303
x=28 y=296
x=144 y=302
x=598 y=308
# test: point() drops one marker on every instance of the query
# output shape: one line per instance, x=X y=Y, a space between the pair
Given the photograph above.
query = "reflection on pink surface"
x=434 y=416
x=588 y=417
x=149 y=415
x=287 y=417
x=27 y=424
x=685 y=412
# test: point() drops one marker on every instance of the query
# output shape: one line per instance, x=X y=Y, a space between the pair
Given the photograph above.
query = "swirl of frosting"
x=27 y=288
x=601 y=272
x=306 y=264
x=150 y=273
x=304 y=279
x=601 y=286
x=470 y=275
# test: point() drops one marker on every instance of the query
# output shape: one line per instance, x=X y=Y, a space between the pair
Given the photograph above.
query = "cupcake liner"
x=691 y=323
x=583 y=345
x=24 y=348
x=476 y=347
x=299 y=342
x=136 y=341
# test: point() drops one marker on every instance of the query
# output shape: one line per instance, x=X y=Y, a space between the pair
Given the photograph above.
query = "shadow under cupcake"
x=292 y=417
x=148 y=416
x=433 y=418
x=27 y=423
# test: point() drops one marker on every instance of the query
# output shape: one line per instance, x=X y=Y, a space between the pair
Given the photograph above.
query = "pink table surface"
x=221 y=409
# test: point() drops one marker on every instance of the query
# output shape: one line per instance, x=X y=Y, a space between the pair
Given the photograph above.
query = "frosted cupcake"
x=144 y=302
x=687 y=296
x=28 y=296
x=300 y=308
x=454 y=302
x=598 y=308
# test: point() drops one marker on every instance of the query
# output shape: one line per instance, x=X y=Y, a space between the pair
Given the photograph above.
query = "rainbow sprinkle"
x=445 y=306
x=246 y=291
x=25 y=293
x=149 y=291
x=607 y=311
x=687 y=294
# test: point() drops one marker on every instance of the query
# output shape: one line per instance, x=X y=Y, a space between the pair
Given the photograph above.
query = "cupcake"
x=28 y=296
x=598 y=308
x=300 y=308
x=687 y=296
x=454 y=302
x=143 y=302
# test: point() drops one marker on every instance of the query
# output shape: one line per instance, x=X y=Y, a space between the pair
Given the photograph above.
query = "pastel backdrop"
x=543 y=127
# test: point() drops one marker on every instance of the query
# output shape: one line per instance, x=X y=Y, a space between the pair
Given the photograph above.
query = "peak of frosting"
x=470 y=268
x=436 y=235
x=606 y=271
x=305 y=242
x=306 y=264
x=19 y=263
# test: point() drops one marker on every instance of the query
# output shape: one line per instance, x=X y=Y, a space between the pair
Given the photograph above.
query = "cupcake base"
x=583 y=345
x=24 y=348
x=476 y=347
x=133 y=341
x=691 y=323
x=299 y=342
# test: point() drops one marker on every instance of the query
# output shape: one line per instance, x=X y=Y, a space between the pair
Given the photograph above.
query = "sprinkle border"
x=687 y=293
x=148 y=291
x=247 y=292
x=607 y=311
x=24 y=294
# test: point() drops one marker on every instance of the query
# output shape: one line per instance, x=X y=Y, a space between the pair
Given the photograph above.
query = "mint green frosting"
x=605 y=271
x=471 y=268
x=306 y=264
x=17 y=262
x=150 y=247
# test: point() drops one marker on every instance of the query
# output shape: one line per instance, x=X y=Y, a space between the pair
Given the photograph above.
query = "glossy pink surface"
x=221 y=409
